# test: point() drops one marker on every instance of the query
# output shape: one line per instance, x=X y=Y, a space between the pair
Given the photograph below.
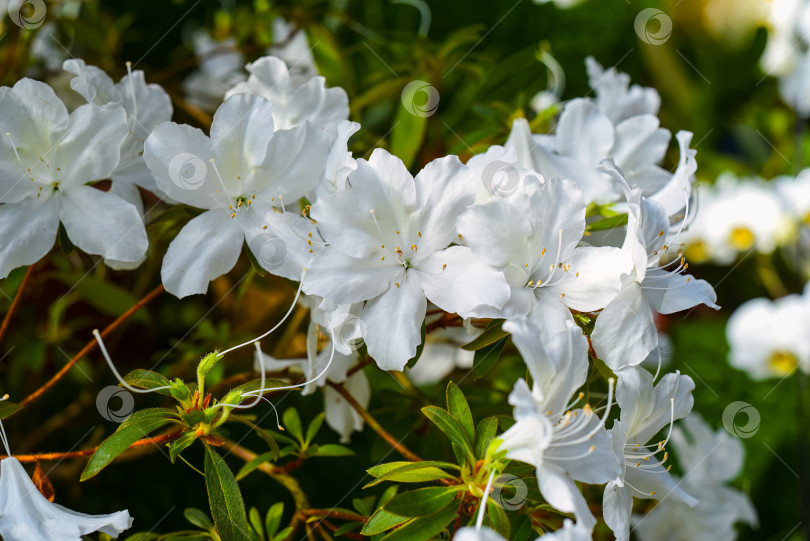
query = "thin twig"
x=16 y=302
x=91 y=345
x=87 y=452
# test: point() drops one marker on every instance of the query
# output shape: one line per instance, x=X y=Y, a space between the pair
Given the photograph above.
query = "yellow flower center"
x=782 y=363
x=698 y=252
x=741 y=238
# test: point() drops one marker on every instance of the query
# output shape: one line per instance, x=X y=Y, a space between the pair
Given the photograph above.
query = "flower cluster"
x=567 y=241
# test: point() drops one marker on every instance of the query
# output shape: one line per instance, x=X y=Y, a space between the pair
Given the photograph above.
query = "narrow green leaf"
x=407 y=134
x=383 y=469
x=224 y=497
x=256 y=522
x=283 y=534
x=136 y=426
x=608 y=223
x=423 y=528
x=333 y=449
x=498 y=520
x=7 y=409
x=292 y=423
x=411 y=472
x=272 y=520
x=381 y=521
x=452 y=428
x=422 y=501
x=263 y=434
x=485 y=358
x=460 y=409
x=179 y=445
x=253 y=464
x=314 y=427
x=484 y=433
x=147 y=379
x=198 y=518
x=491 y=334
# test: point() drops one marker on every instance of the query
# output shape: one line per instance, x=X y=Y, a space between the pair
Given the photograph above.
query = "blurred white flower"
x=294 y=103
x=221 y=66
x=340 y=415
x=769 y=338
x=645 y=410
x=709 y=460
x=616 y=98
x=47 y=158
x=25 y=514
x=291 y=45
x=441 y=354
x=242 y=176
x=388 y=236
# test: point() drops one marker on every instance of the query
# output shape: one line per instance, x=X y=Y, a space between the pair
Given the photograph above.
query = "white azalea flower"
x=468 y=533
x=294 y=103
x=563 y=444
x=388 y=236
x=292 y=47
x=737 y=216
x=795 y=195
x=645 y=410
x=26 y=515
x=242 y=176
x=221 y=66
x=625 y=331
x=47 y=157
x=616 y=98
x=340 y=415
x=340 y=162
x=146 y=107
x=710 y=460
x=569 y=532
x=442 y=354
x=769 y=338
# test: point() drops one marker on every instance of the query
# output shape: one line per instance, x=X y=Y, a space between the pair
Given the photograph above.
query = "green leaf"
x=283 y=534
x=411 y=472
x=179 y=445
x=407 y=135
x=333 y=449
x=7 y=409
x=147 y=379
x=381 y=521
x=292 y=423
x=422 y=501
x=460 y=409
x=135 y=427
x=253 y=464
x=424 y=528
x=256 y=522
x=263 y=434
x=103 y=295
x=224 y=497
x=498 y=520
x=314 y=427
x=485 y=358
x=491 y=334
x=608 y=223
x=364 y=506
x=485 y=432
x=198 y=518
x=272 y=520
x=452 y=428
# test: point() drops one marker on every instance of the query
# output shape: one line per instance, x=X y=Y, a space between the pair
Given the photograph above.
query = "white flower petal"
x=562 y=493
x=617 y=506
x=28 y=229
x=393 y=323
x=625 y=331
x=597 y=272
x=343 y=279
x=342 y=417
x=104 y=224
x=206 y=248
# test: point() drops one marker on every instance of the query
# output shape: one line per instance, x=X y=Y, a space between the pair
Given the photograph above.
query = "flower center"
x=698 y=251
x=741 y=238
x=782 y=363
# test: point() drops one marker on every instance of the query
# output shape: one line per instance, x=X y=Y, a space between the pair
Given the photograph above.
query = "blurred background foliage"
x=482 y=56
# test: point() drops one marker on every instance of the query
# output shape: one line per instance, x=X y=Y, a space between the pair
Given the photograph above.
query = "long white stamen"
x=14 y=148
x=268 y=333
x=3 y=431
x=126 y=385
x=132 y=91
x=479 y=521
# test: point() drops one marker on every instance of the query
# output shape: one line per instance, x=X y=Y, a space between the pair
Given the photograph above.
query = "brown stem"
x=359 y=366
x=372 y=422
x=447 y=320
x=16 y=302
x=87 y=452
x=91 y=345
